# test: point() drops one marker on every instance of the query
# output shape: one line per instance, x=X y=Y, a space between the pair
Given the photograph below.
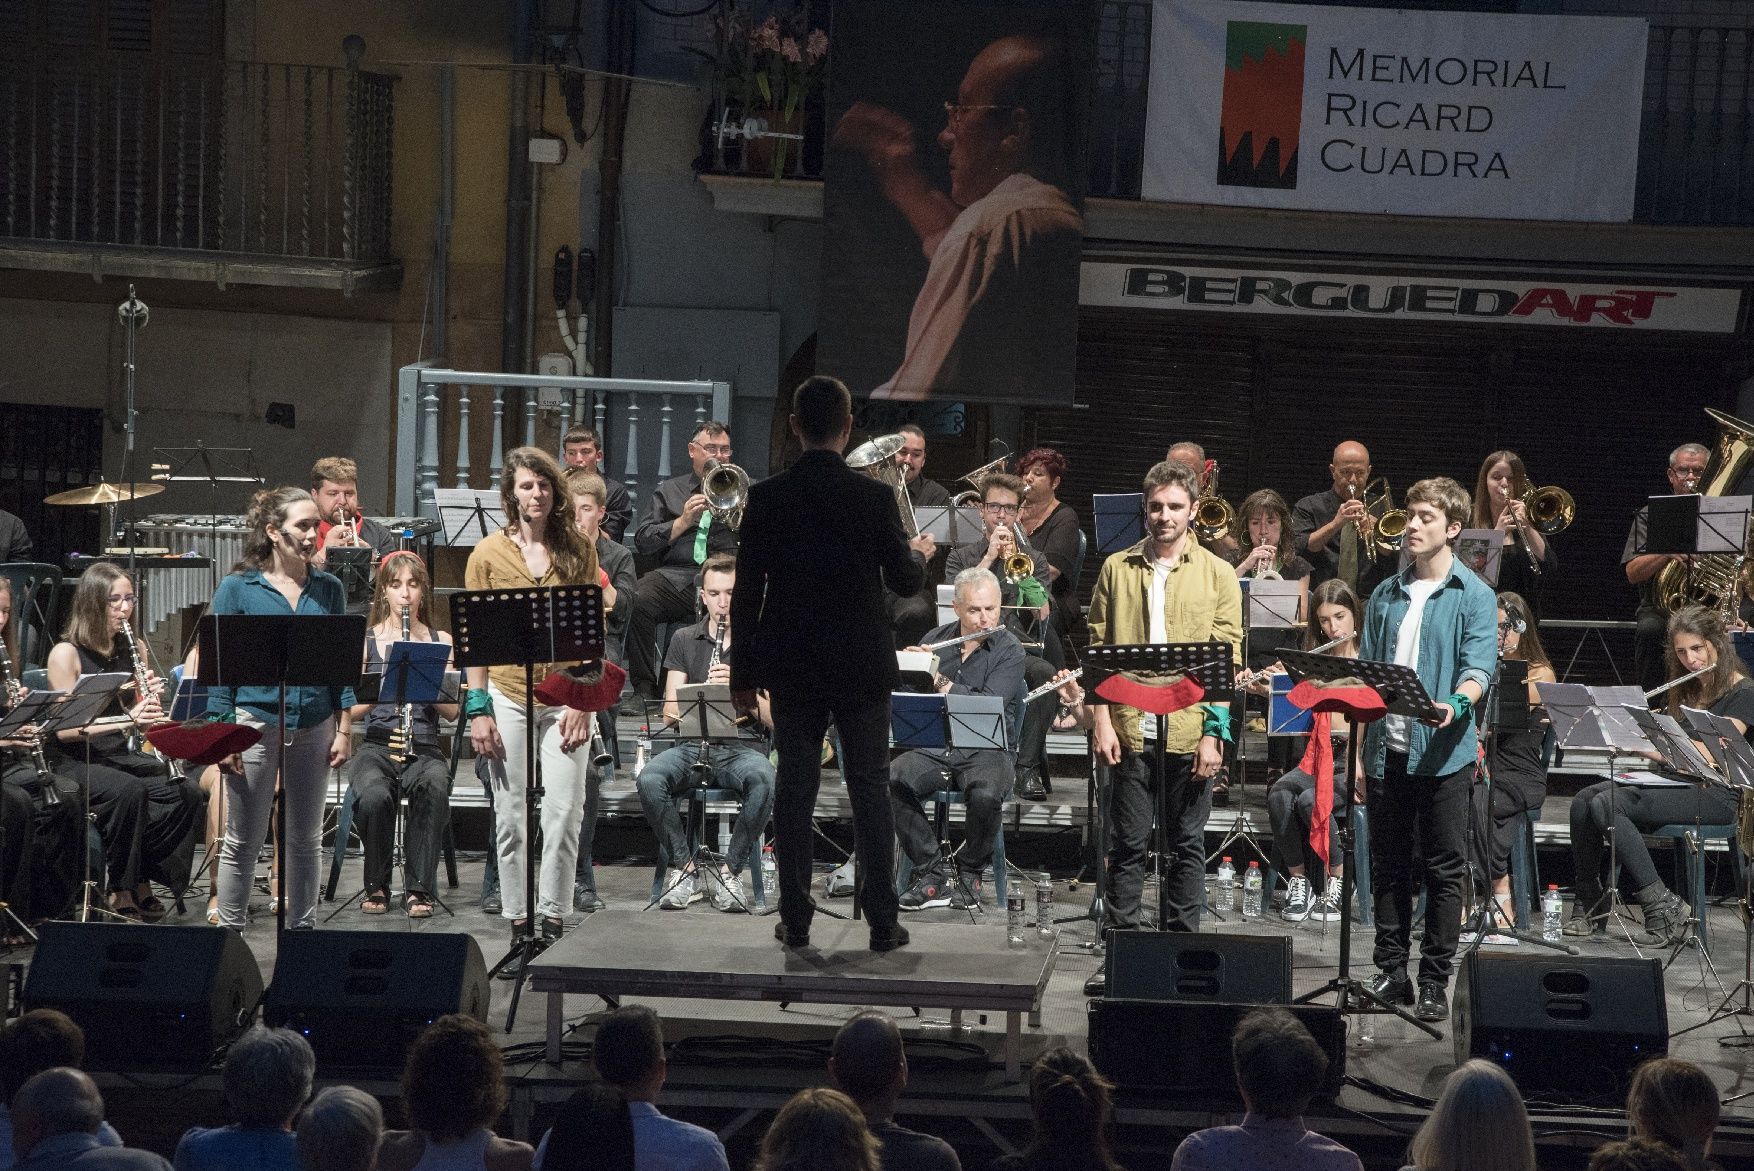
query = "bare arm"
x=886 y=140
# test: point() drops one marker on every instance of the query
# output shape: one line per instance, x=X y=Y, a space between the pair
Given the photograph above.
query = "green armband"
x=1461 y=705
x=477 y=702
x=1215 y=722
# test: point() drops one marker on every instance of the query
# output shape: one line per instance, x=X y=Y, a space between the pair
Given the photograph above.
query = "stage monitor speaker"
x=1183 y=1049
x=149 y=998
x=361 y=997
x=1567 y=1029
x=1178 y=967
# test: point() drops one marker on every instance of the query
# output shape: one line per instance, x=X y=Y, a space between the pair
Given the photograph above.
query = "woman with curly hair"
x=454 y=1088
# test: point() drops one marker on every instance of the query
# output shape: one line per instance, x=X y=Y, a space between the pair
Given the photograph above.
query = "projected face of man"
x=986 y=134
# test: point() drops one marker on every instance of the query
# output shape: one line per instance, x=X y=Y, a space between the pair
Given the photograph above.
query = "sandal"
x=416 y=906
x=152 y=908
x=123 y=910
x=375 y=902
x=213 y=909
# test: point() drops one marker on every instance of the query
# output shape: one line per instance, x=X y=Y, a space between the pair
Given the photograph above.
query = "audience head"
x=629 y=1048
x=868 y=1061
x=819 y=1130
x=1673 y=1102
x=40 y=1039
x=1636 y=1154
x=1070 y=1101
x=268 y=1076
x=593 y=1129
x=1279 y=1066
x=56 y=1101
x=454 y=1082
x=822 y=411
x=340 y=1130
x=1479 y=1121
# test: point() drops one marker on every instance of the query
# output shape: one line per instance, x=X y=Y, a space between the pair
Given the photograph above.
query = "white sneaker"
x=1297 y=900
x=679 y=891
x=1327 y=907
x=839 y=883
x=730 y=894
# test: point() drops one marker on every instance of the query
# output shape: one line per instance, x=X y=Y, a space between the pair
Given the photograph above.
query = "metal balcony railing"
x=266 y=159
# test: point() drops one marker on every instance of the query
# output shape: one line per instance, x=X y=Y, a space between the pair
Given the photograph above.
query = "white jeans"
x=564 y=776
x=249 y=805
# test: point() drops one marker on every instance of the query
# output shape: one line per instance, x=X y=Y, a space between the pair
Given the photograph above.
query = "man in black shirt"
x=682 y=531
x=869 y=1065
x=582 y=448
x=1325 y=525
x=15 y=544
x=911 y=616
x=912 y=456
x=987 y=666
x=1686 y=469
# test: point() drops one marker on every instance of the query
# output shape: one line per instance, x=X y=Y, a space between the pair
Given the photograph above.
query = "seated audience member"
x=267 y=1077
x=454 y=1089
x=1070 y=1101
x=1636 y=1154
x=340 y=1131
x=869 y=1065
x=56 y=1119
x=1479 y=1121
x=1674 y=1103
x=990 y=666
x=1279 y=1067
x=592 y=1132
x=818 y=1130
x=40 y=1039
x=628 y=1052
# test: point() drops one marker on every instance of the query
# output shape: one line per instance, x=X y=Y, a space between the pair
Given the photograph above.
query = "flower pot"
x=774 y=156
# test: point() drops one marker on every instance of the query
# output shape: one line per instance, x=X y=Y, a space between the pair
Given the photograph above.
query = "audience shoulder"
x=504 y=1154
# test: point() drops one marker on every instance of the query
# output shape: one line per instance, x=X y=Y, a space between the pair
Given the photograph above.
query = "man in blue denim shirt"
x=1439 y=618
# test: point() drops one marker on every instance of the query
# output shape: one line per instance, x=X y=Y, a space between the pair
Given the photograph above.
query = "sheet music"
x=460 y=524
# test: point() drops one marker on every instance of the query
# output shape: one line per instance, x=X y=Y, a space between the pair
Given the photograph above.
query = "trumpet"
x=1213 y=515
x=726 y=488
x=1018 y=564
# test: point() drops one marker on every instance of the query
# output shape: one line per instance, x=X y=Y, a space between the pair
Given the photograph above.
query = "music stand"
x=1332 y=669
x=352 y=564
x=279 y=651
x=82 y=706
x=1120 y=520
x=1730 y=750
x=212 y=466
x=1209 y=663
x=466 y=515
x=523 y=627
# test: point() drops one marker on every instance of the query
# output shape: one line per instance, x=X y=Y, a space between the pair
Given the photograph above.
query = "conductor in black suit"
x=818 y=543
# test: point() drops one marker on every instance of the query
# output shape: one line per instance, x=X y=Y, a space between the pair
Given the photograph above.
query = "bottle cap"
x=1552 y=886
x=1227 y=857
x=1253 y=865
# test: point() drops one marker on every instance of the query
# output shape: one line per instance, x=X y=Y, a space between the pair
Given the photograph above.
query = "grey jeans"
x=249 y=806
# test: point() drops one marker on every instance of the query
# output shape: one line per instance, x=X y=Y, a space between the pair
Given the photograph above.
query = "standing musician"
x=1164 y=589
x=276 y=576
x=1437 y=617
x=145 y=817
x=1326 y=525
x=1687 y=465
x=401 y=756
x=681 y=530
x=911 y=616
x=1498 y=504
x=540 y=546
x=988 y=666
x=583 y=451
x=701 y=654
x=807 y=623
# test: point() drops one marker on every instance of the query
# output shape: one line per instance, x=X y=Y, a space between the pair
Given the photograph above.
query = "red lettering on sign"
x=1555 y=301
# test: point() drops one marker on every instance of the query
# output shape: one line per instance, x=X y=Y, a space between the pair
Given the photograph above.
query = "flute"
x=1053 y=685
x=1656 y=691
x=949 y=642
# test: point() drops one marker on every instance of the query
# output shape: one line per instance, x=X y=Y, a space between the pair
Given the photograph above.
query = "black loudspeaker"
x=1178 y=967
x=361 y=997
x=1184 y=1049
x=148 y=998
x=1566 y=1028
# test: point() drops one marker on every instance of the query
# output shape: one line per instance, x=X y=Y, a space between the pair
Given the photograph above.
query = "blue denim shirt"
x=249 y=592
x=1458 y=641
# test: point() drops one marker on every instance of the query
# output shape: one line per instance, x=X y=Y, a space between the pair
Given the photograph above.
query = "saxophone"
x=40 y=762
x=402 y=739
x=141 y=689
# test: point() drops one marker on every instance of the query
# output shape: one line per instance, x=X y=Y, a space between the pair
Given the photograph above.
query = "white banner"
x=1406 y=113
x=1563 y=301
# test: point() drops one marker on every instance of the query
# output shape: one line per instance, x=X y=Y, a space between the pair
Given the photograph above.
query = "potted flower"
x=768 y=71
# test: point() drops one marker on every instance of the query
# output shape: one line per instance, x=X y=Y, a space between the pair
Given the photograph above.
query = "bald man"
x=1326 y=524
x=1003 y=244
x=1193 y=457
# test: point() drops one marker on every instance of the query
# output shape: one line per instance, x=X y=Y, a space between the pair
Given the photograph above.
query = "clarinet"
x=402 y=739
x=40 y=762
x=142 y=691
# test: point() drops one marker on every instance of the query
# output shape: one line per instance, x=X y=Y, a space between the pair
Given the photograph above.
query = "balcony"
x=241 y=172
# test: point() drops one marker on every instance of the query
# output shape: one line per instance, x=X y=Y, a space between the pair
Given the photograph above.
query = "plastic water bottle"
x=1224 y=896
x=1251 y=892
x=642 y=751
x=1552 y=907
x=1014 y=916
x=770 y=873
x=1044 y=905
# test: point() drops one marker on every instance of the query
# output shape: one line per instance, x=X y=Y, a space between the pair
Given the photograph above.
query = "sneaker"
x=930 y=888
x=839 y=883
x=1327 y=907
x=1298 y=900
x=730 y=894
x=965 y=893
x=679 y=891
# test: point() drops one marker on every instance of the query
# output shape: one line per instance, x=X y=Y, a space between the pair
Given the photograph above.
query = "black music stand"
x=523 y=627
x=280 y=651
x=1210 y=663
x=1399 y=688
x=1120 y=521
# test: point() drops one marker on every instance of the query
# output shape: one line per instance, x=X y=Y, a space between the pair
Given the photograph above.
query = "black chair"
x=36 y=609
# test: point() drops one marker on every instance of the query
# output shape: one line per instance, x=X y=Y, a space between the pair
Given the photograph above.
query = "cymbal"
x=103 y=494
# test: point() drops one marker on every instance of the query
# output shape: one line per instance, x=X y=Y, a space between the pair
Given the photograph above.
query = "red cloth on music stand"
x=202 y=742
x=564 y=689
x=1358 y=703
x=1150 y=696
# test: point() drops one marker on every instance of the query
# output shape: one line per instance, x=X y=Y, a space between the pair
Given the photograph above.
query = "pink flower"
x=816 y=47
x=767 y=36
x=789 y=50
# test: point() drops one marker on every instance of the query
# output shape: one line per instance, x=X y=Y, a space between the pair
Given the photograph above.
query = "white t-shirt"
x=1159 y=586
x=1399 y=729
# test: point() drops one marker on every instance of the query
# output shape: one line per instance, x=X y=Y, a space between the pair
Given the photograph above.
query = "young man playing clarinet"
x=1437 y=617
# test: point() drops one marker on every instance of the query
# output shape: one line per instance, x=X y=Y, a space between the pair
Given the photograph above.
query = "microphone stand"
x=134 y=315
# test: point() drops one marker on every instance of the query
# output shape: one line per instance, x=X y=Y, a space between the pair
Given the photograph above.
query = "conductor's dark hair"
x=822 y=405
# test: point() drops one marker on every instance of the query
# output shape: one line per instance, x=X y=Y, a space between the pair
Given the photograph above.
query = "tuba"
x=1213 y=515
x=726 y=488
x=1715 y=580
x=878 y=458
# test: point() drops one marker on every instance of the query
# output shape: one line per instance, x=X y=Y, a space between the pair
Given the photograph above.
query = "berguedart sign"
x=1407 y=113
x=1440 y=297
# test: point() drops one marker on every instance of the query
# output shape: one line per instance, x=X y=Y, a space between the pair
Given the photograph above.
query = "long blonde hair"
x=1478 y=1124
x=566 y=545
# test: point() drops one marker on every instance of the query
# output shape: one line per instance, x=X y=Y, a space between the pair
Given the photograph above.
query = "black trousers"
x=1032 y=737
x=664 y=595
x=800 y=720
x=1509 y=802
x=1414 y=817
x=1648 y=646
x=146 y=820
x=1132 y=809
x=42 y=845
x=984 y=778
x=1638 y=809
x=379 y=784
x=1290 y=809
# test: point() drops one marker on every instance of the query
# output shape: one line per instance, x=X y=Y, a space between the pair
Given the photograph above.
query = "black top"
x=927 y=492
x=819 y=542
x=618 y=509
x=617 y=561
x=1310 y=514
x=91 y=663
x=994 y=667
x=974 y=554
x=15 y=541
x=387 y=717
x=1057 y=536
x=1737 y=704
x=691 y=652
x=909 y=1150
x=653 y=534
x=1647 y=589
x=1516 y=576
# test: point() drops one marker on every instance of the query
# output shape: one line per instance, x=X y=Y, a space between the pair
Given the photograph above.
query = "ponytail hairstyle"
x=388 y=568
x=566 y=545
x=1333 y=592
x=268 y=509
x=1709 y=687
x=88 y=619
x=1528 y=646
x=1070 y=1101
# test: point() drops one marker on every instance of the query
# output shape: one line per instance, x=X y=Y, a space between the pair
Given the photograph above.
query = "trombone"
x=880 y=458
x=1550 y=511
x=1379 y=534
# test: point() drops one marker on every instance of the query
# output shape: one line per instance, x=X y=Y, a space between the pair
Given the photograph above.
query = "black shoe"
x=930 y=888
x=1433 y=1003
x=888 y=940
x=1030 y=786
x=552 y=928
x=1390 y=987
x=1667 y=918
x=584 y=899
x=490 y=902
x=789 y=937
x=1097 y=984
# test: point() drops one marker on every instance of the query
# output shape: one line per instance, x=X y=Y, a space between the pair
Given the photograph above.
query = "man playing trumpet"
x=335 y=488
